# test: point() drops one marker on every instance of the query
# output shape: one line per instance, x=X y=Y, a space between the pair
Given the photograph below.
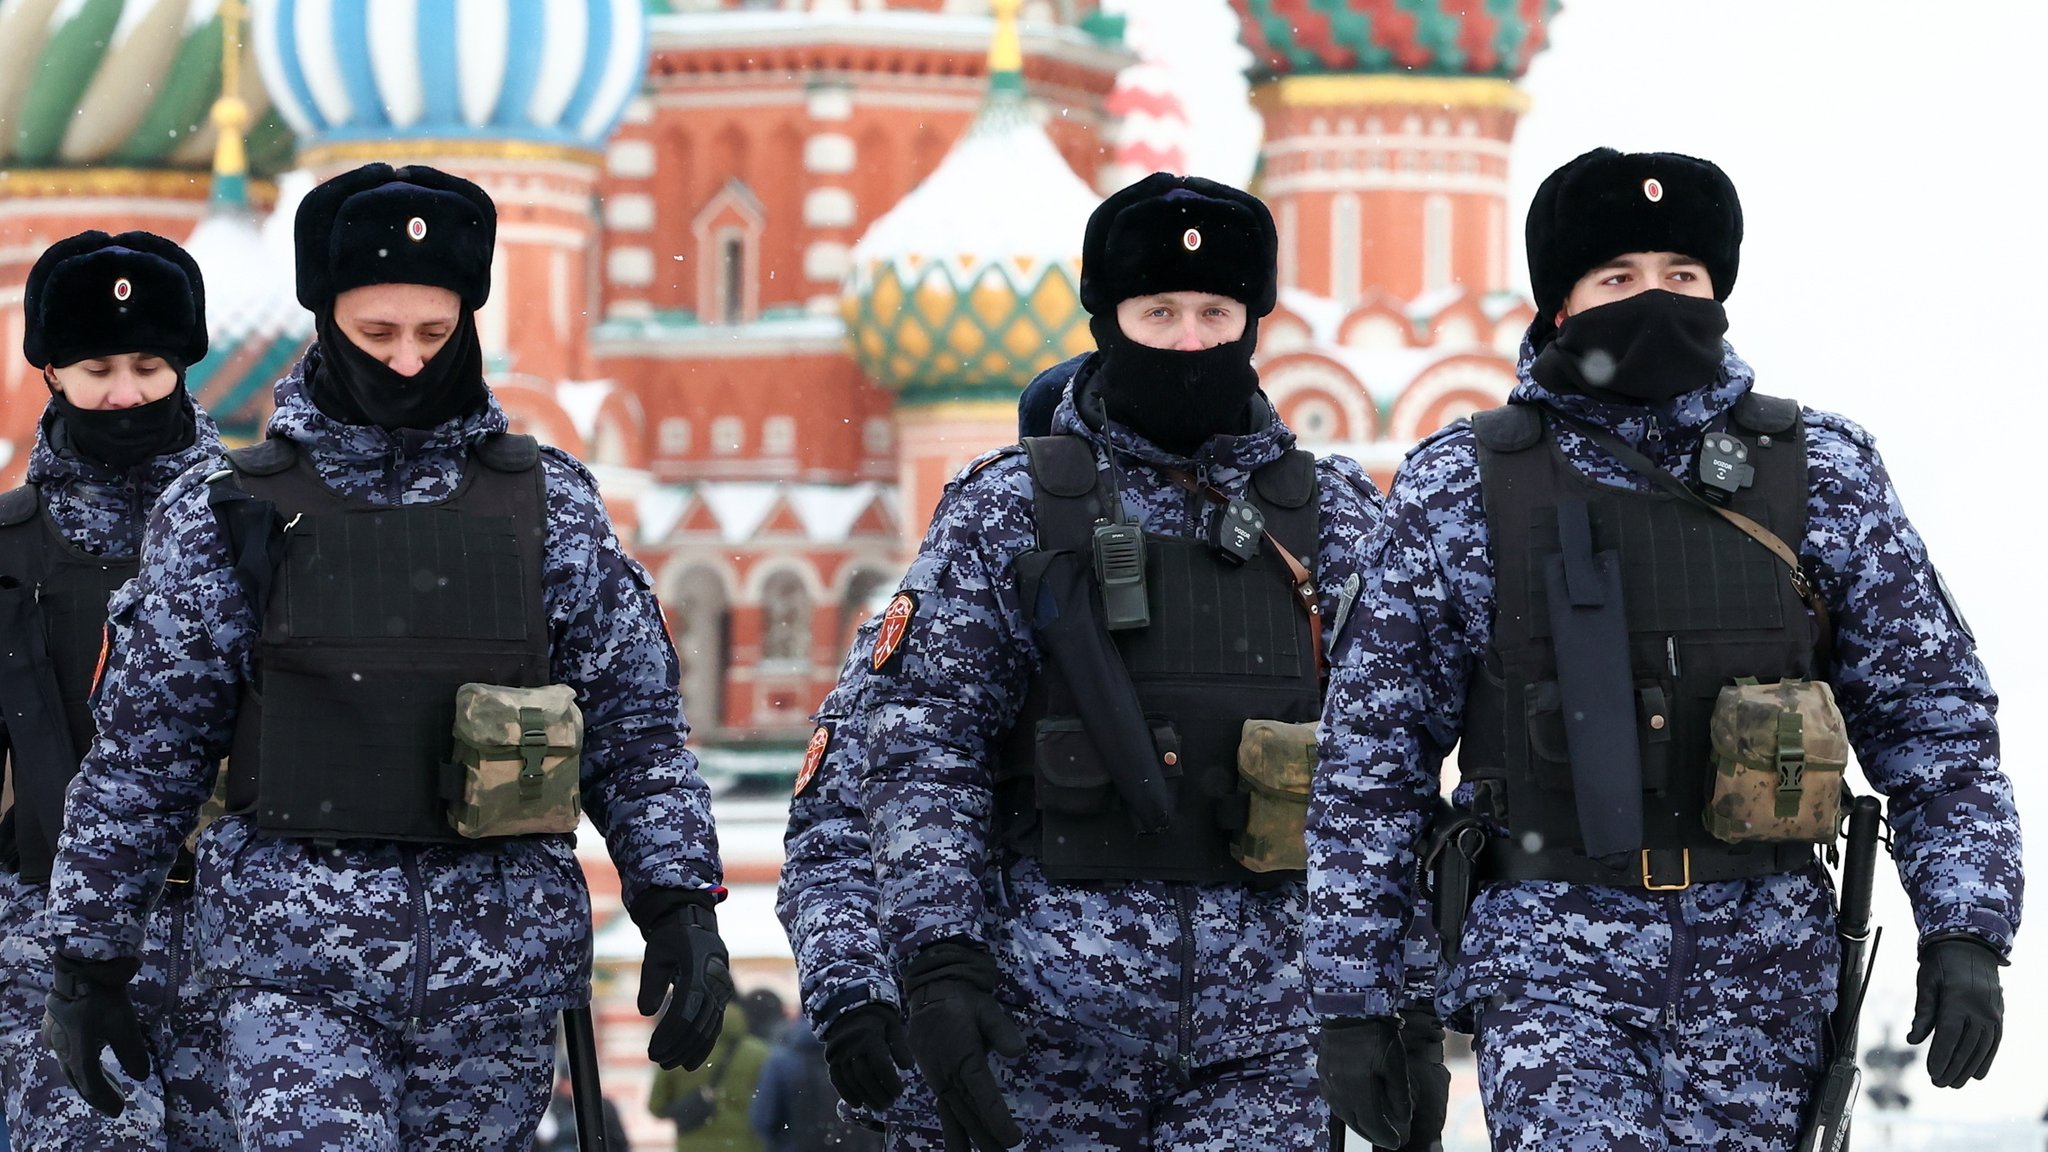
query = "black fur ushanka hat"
x=1607 y=203
x=94 y=295
x=1170 y=233
x=382 y=225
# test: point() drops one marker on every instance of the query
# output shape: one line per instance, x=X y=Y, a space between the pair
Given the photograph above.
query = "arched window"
x=859 y=602
x=785 y=619
x=1347 y=249
x=703 y=624
x=1436 y=241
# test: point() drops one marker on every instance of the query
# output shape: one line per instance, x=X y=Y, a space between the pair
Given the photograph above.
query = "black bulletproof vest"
x=1225 y=644
x=377 y=615
x=1704 y=604
x=53 y=616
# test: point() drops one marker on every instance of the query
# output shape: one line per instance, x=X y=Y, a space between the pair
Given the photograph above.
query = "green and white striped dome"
x=122 y=83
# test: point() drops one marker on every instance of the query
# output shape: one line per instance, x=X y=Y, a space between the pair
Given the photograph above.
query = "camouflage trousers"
x=179 y=1106
x=1561 y=1079
x=304 y=1072
x=1079 y=1098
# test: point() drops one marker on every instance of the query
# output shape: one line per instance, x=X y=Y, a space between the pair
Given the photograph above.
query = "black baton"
x=1834 y=1098
x=581 y=1042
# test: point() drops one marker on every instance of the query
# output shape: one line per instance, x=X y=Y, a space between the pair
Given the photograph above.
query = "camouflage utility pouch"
x=1779 y=753
x=1275 y=761
x=517 y=757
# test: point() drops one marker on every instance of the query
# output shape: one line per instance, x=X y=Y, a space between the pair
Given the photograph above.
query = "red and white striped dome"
x=1152 y=126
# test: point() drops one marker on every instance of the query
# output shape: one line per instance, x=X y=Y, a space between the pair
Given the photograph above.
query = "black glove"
x=1961 y=1006
x=1363 y=1070
x=954 y=1023
x=88 y=1009
x=1422 y=1041
x=683 y=950
x=864 y=1049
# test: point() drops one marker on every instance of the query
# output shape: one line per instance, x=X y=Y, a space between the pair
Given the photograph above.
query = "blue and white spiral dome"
x=555 y=72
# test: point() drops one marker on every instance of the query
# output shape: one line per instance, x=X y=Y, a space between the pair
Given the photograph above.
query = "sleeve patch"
x=814 y=756
x=895 y=629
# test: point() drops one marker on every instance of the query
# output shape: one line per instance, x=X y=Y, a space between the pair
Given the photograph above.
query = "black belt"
x=1654 y=870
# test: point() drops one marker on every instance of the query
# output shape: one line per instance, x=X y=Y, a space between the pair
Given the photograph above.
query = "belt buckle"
x=1685 y=880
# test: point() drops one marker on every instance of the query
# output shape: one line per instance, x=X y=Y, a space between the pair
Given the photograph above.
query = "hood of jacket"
x=100 y=508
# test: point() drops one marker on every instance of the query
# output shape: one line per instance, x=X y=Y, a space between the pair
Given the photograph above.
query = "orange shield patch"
x=814 y=757
x=895 y=627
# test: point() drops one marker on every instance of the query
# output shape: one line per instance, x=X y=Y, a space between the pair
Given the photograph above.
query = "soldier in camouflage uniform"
x=827 y=902
x=113 y=322
x=1633 y=980
x=1133 y=991
x=384 y=983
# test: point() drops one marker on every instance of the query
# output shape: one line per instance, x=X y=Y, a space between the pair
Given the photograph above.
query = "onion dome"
x=968 y=287
x=1152 y=126
x=254 y=323
x=1423 y=37
x=123 y=84
x=556 y=73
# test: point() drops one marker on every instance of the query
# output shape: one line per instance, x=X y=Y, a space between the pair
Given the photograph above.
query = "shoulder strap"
x=19 y=506
x=1290 y=481
x=506 y=452
x=1508 y=428
x=1768 y=415
x=1062 y=465
x=266 y=458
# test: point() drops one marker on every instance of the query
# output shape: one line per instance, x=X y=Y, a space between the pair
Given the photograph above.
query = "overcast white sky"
x=1888 y=155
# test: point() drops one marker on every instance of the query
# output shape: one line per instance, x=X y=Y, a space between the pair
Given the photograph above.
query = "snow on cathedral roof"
x=1003 y=192
x=969 y=286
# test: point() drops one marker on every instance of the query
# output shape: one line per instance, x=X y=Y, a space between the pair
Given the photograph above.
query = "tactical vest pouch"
x=1276 y=761
x=518 y=755
x=1779 y=753
x=1071 y=777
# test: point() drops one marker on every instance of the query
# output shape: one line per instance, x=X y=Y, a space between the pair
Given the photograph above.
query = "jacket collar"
x=1683 y=417
x=1080 y=414
x=298 y=419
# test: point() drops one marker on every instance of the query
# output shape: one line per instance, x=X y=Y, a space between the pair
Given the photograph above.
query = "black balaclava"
x=355 y=387
x=122 y=438
x=1177 y=399
x=1647 y=348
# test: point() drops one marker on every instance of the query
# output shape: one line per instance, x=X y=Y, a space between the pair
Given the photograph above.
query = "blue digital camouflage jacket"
x=1917 y=701
x=1172 y=971
x=101 y=511
x=397 y=930
x=827 y=899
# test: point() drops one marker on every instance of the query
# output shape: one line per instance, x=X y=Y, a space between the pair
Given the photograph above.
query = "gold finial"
x=1006 y=50
x=230 y=113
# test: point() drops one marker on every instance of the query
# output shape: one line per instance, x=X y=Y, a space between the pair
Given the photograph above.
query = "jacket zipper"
x=179 y=965
x=1184 y=904
x=1681 y=958
x=409 y=863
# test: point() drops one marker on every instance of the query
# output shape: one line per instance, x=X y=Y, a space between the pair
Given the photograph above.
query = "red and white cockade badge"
x=123 y=289
x=814 y=756
x=1191 y=239
x=416 y=228
x=1653 y=191
x=895 y=626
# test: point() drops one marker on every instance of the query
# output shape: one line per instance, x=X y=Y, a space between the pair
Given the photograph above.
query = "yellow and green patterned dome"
x=968 y=287
x=122 y=84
